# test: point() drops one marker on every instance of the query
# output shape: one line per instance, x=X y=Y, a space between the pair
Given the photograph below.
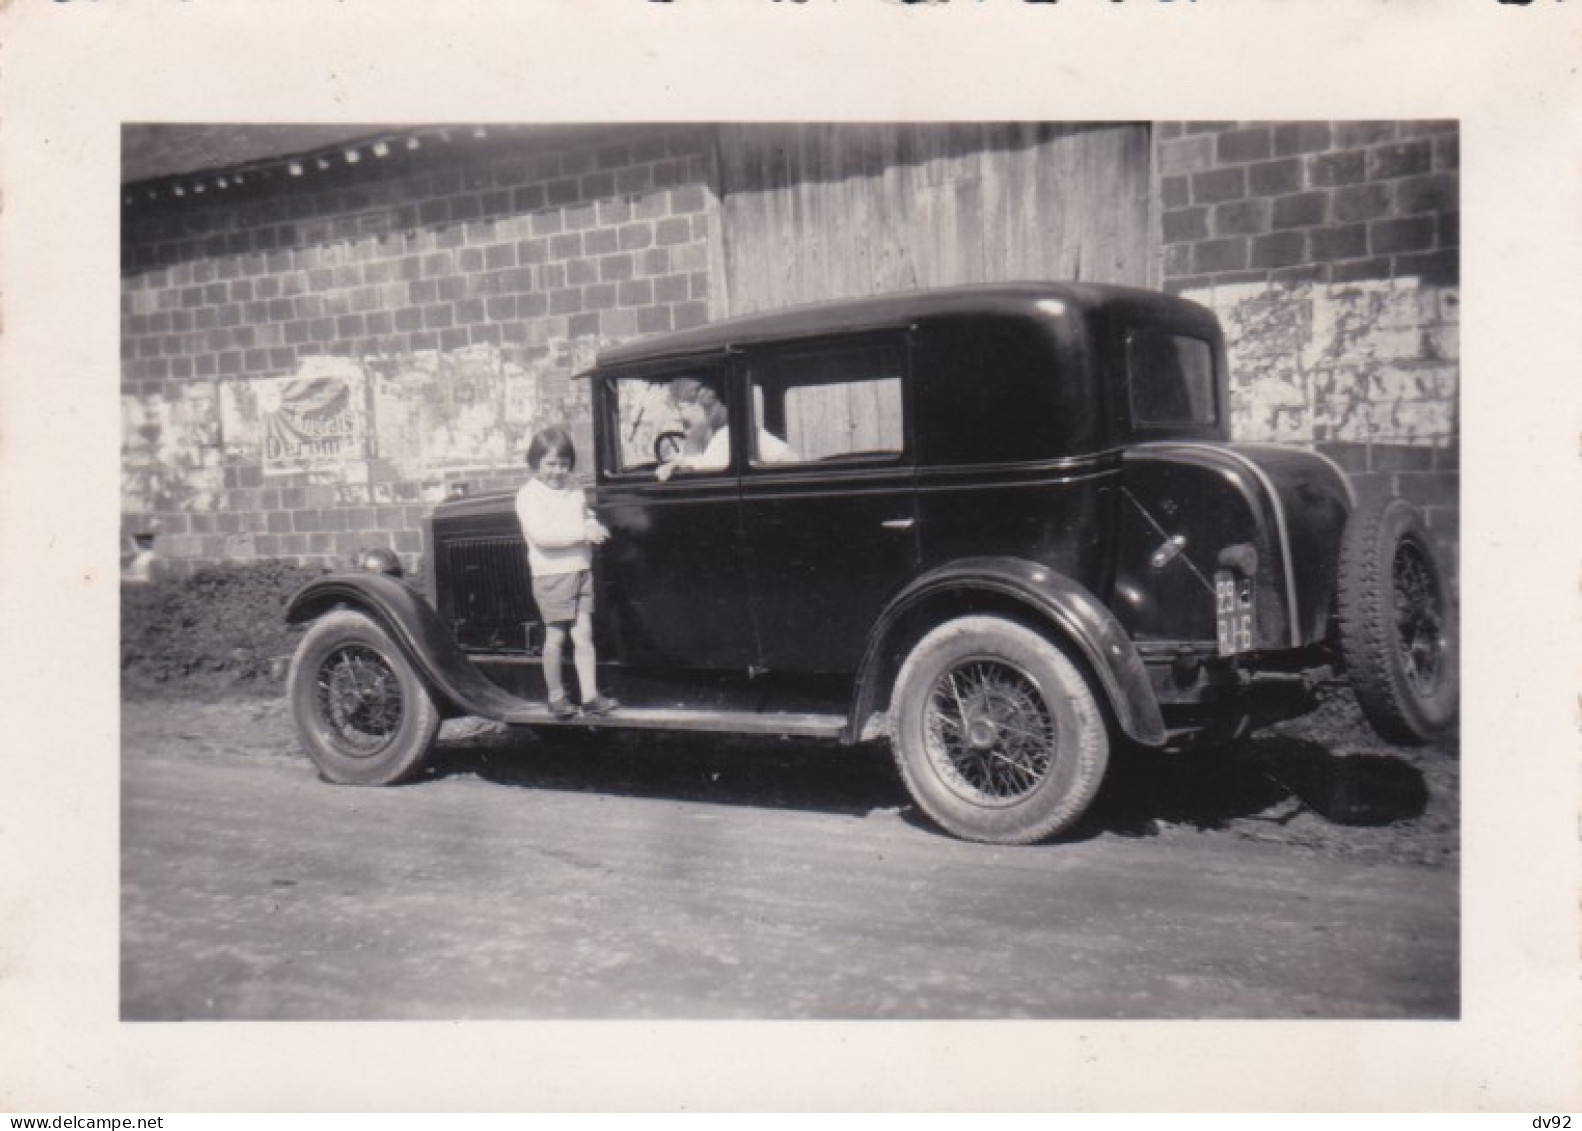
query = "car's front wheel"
x=362 y=713
x=996 y=732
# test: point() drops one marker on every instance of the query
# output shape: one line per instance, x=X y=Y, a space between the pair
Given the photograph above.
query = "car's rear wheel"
x=996 y=732
x=361 y=712
x=1397 y=624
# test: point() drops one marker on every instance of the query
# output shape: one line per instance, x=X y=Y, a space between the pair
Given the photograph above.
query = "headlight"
x=380 y=560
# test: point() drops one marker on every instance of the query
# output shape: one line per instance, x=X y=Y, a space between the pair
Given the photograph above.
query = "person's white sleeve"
x=717 y=454
x=772 y=449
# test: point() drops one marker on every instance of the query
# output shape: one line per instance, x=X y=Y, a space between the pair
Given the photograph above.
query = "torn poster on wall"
x=311 y=421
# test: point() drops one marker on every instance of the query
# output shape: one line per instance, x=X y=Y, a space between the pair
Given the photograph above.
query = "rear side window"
x=1170 y=379
x=827 y=404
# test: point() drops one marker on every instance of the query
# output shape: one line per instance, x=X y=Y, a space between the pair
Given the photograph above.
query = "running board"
x=801 y=725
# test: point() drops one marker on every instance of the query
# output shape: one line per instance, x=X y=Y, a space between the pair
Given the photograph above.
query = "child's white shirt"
x=555 y=526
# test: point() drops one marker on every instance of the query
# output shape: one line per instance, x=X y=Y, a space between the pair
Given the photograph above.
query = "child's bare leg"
x=583 y=656
x=554 y=650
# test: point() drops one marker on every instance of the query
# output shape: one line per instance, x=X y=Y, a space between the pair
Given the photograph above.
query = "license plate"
x=1233 y=612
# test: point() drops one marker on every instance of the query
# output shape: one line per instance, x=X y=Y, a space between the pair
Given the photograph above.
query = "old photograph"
x=820 y=571
x=875 y=556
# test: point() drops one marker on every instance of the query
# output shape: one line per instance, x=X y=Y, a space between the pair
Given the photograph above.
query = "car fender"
x=1070 y=613
x=415 y=628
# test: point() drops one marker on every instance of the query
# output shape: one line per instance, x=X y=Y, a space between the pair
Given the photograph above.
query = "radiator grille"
x=485 y=593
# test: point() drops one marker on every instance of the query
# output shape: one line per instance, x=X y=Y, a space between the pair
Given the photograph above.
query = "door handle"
x=1168 y=551
x=898 y=523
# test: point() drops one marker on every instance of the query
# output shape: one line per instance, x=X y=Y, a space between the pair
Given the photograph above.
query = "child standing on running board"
x=560 y=531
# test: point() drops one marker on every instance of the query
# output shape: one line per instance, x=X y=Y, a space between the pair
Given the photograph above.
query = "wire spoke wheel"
x=1397 y=623
x=1419 y=618
x=360 y=697
x=989 y=730
x=996 y=732
x=361 y=711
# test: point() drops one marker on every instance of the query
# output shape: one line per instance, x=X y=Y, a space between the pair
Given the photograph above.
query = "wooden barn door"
x=824 y=211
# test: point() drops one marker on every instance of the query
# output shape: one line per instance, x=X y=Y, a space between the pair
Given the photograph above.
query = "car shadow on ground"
x=710 y=769
x=1270 y=779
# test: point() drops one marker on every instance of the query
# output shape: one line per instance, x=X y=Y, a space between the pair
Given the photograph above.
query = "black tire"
x=996 y=732
x=1397 y=624
x=362 y=713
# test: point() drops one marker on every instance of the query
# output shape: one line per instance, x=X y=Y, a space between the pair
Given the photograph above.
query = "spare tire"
x=1397 y=623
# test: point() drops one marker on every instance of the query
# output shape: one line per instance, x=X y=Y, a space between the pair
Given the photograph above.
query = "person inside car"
x=716 y=450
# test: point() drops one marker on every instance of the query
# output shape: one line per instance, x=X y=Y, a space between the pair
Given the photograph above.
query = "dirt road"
x=659 y=877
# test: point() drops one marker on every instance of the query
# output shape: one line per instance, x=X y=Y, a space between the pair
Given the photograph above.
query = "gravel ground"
x=1323 y=783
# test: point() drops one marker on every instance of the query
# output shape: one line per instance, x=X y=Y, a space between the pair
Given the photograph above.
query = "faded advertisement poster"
x=466 y=409
x=309 y=422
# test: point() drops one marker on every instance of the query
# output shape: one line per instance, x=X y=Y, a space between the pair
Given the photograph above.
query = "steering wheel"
x=668 y=445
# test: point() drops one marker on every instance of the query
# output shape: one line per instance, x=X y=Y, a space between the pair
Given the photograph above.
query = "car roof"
x=1044 y=300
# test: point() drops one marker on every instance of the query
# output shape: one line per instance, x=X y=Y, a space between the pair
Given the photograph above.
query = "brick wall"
x=450 y=291
x=1300 y=202
x=492 y=265
x=1331 y=252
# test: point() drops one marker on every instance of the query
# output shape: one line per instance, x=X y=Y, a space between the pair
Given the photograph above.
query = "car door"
x=828 y=514
x=671 y=582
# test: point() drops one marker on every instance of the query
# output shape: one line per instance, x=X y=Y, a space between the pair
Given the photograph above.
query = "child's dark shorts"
x=562 y=597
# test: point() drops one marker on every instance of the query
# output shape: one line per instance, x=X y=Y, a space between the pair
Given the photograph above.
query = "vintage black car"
x=1001 y=527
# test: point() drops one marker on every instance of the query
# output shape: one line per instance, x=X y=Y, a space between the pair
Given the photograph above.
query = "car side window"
x=671 y=421
x=826 y=404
